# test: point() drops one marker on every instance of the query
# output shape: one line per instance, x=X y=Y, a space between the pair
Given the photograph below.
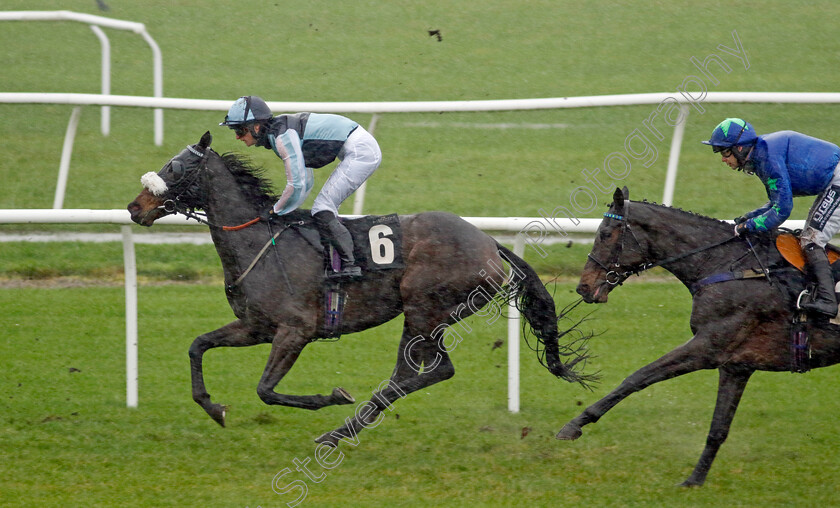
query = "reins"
x=615 y=278
x=691 y=253
x=173 y=205
x=202 y=218
x=241 y=226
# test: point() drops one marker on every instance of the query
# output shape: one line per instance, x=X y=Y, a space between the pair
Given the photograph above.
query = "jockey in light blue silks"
x=789 y=164
x=312 y=140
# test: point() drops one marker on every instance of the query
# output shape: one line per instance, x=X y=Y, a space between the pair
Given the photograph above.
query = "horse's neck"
x=673 y=232
x=227 y=204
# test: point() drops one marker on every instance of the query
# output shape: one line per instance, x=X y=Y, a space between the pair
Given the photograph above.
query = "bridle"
x=173 y=204
x=615 y=277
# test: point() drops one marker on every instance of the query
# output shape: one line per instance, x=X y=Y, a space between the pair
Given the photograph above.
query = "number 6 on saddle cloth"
x=377 y=245
x=377 y=241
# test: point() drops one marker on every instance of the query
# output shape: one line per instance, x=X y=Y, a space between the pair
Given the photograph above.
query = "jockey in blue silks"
x=312 y=140
x=789 y=164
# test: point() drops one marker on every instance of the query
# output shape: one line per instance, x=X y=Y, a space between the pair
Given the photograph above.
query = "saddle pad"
x=789 y=248
x=377 y=241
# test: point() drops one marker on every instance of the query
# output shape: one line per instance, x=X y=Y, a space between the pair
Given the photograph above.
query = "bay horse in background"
x=279 y=297
x=740 y=324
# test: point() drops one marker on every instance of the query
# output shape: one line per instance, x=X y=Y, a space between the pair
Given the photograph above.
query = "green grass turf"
x=323 y=51
x=68 y=439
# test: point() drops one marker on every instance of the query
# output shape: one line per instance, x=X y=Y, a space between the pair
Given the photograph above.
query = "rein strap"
x=689 y=253
x=647 y=266
x=241 y=226
x=256 y=259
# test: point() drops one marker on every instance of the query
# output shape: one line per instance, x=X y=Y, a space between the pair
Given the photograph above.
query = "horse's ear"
x=618 y=197
x=626 y=192
x=205 y=140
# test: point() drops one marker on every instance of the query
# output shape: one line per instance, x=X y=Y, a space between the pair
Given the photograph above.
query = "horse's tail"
x=536 y=304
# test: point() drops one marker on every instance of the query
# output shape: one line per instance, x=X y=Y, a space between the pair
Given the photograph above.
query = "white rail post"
x=513 y=339
x=130 y=262
x=359 y=199
x=66 y=153
x=157 y=62
x=106 y=77
x=674 y=157
x=95 y=22
x=121 y=216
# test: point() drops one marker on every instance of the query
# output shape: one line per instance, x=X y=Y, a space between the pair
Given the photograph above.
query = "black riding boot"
x=332 y=230
x=824 y=301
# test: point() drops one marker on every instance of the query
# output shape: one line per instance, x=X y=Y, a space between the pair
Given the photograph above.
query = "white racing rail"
x=536 y=228
x=95 y=23
x=531 y=231
x=378 y=108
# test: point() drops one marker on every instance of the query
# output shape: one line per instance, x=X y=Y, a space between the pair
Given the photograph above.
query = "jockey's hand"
x=739 y=220
x=268 y=215
x=741 y=229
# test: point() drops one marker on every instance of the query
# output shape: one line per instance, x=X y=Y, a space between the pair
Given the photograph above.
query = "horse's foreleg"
x=285 y=350
x=408 y=376
x=731 y=386
x=687 y=358
x=235 y=334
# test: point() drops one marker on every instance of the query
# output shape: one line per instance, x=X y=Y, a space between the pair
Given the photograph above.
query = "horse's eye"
x=176 y=169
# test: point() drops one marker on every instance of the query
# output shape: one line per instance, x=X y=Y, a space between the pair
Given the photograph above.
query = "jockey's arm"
x=778 y=209
x=299 y=178
x=758 y=211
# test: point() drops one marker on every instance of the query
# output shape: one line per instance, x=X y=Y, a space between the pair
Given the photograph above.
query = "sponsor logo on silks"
x=771 y=183
x=759 y=223
x=825 y=209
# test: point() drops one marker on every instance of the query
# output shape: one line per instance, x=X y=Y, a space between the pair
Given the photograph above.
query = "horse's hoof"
x=341 y=396
x=569 y=432
x=217 y=412
x=327 y=438
x=690 y=483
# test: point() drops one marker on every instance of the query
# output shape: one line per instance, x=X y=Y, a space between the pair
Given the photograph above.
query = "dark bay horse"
x=740 y=325
x=278 y=296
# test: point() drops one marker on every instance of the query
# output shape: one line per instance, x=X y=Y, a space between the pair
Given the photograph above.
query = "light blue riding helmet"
x=247 y=109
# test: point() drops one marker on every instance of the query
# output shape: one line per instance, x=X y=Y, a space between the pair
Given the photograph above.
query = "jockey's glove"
x=268 y=215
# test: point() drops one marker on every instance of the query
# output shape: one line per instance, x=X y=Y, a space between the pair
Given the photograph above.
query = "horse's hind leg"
x=406 y=378
x=731 y=386
x=285 y=350
x=687 y=358
x=234 y=334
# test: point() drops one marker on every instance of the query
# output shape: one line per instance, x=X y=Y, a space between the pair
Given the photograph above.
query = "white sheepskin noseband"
x=154 y=183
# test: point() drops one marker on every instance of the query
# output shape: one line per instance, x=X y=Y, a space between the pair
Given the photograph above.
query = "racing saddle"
x=788 y=246
x=377 y=247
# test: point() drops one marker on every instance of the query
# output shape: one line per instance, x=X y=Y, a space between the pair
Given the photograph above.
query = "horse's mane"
x=251 y=178
x=680 y=211
x=257 y=188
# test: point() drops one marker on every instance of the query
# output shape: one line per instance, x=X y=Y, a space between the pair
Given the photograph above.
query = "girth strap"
x=723 y=277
